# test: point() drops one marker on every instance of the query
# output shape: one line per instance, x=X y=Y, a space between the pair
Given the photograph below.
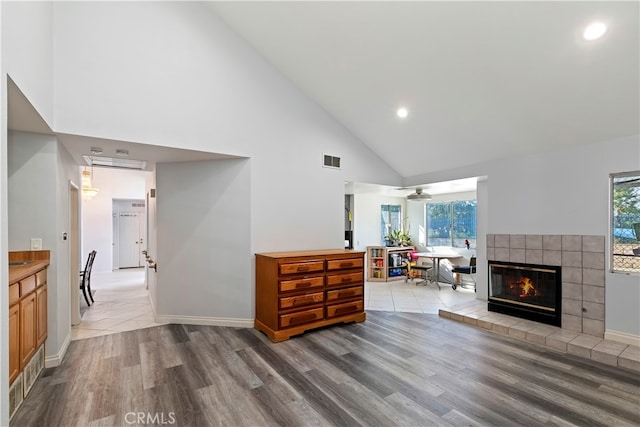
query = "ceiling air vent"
x=331 y=161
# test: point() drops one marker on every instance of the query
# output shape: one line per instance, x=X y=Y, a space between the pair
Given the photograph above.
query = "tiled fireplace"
x=581 y=260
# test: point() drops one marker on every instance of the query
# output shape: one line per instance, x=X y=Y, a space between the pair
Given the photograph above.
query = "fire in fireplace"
x=526 y=290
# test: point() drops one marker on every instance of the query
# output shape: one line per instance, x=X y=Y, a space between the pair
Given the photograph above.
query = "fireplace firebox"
x=528 y=291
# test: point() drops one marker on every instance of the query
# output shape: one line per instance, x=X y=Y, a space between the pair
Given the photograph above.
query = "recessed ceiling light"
x=402 y=112
x=594 y=31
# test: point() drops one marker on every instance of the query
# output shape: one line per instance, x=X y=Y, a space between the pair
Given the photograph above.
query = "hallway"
x=121 y=304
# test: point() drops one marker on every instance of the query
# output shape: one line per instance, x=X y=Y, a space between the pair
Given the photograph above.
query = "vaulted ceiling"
x=481 y=80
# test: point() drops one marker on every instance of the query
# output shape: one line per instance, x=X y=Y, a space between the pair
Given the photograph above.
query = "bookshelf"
x=385 y=263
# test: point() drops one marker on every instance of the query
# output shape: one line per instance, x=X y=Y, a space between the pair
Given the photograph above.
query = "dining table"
x=436 y=257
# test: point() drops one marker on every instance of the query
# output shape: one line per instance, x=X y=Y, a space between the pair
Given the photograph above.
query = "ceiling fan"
x=419 y=195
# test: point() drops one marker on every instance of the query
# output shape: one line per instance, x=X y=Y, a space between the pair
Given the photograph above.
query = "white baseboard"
x=195 y=320
x=56 y=359
x=208 y=321
x=622 y=337
x=153 y=307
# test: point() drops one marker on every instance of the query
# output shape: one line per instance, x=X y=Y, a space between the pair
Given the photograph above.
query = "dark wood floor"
x=395 y=369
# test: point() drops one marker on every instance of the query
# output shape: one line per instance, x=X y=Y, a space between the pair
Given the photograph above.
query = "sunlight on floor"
x=412 y=298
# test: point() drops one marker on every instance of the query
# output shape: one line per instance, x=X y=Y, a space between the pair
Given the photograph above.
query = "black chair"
x=85 y=277
x=466 y=269
x=415 y=270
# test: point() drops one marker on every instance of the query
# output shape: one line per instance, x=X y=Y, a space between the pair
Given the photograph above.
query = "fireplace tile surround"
x=582 y=258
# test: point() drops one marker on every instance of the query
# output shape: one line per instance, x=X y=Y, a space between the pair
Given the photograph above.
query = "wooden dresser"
x=299 y=291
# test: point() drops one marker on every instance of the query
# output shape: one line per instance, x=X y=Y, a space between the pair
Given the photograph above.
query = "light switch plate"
x=36 y=244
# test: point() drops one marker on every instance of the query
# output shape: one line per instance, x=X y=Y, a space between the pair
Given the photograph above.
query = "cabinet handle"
x=345 y=294
x=302 y=318
x=303 y=284
x=345 y=279
x=346 y=264
x=303 y=300
x=303 y=268
x=346 y=309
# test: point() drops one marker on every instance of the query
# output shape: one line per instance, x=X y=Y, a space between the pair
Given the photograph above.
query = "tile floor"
x=412 y=298
x=122 y=302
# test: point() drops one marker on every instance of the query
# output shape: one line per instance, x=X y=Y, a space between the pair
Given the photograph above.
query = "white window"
x=625 y=222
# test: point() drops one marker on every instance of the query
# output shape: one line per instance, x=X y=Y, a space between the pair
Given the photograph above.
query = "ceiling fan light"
x=419 y=195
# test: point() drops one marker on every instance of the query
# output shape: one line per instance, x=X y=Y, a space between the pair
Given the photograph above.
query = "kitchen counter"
x=19 y=272
x=30 y=263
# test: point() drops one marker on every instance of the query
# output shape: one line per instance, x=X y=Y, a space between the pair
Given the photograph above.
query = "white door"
x=130 y=240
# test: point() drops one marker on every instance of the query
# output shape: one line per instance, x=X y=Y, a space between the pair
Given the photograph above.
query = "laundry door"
x=130 y=239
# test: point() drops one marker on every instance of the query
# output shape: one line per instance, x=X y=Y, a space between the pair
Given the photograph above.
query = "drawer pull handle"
x=345 y=294
x=302 y=318
x=305 y=300
x=303 y=268
x=346 y=264
x=303 y=284
x=346 y=309
x=345 y=279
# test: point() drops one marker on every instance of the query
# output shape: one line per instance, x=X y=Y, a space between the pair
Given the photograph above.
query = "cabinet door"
x=28 y=319
x=41 y=304
x=14 y=342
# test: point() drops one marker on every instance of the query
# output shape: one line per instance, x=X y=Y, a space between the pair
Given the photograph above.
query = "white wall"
x=567 y=192
x=32 y=161
x=366 y=218
x=204 y=242
x=4 y=246
x=27 y=51
x=559 y=192
x=59 y=314
x=38 y=203
x=97 y=220
x=190 y=82
x=26 y=54
x=152 y=237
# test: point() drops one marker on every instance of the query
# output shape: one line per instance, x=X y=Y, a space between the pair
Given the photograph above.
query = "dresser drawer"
x=14 y=293
x=27 y=285
x=301 y=300
x=345 y=308
x=339 y=264
x=301 y=284
x=339 y=294
x=345 y=279
x=302 y=267
x=301 y=317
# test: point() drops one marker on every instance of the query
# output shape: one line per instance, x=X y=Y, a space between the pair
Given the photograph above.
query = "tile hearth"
x=609 y=352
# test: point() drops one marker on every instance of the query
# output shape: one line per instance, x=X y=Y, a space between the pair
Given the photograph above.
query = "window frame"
x=390 y=226
x=614 y=250
x=452 y=222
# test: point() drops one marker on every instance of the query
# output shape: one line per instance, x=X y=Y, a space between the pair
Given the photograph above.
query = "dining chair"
x=85 y=277
x=466 y=269
x=415 y=270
